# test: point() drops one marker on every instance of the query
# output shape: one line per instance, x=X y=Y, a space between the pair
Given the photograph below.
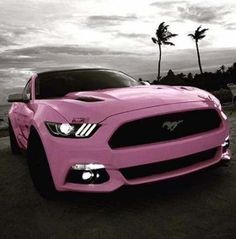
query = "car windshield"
x=58 y=84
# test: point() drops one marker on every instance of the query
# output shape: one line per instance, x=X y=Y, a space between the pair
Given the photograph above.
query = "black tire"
x=15 y=149
x=39 y=167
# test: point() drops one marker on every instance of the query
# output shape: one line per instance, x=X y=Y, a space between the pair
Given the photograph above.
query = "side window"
x=27 y=90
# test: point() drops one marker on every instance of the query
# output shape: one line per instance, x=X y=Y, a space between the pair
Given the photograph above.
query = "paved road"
x=200 y=206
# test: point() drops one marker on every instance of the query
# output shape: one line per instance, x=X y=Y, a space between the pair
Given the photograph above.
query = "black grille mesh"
x=167 y=166
x=155 y=129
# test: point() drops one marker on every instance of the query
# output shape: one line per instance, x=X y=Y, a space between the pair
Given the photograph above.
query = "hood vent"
x=89 y=99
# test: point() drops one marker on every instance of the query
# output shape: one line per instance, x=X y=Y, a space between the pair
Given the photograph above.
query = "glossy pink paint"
x=116 y=107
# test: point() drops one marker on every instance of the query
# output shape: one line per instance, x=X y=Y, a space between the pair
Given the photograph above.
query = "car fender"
x=45 y=113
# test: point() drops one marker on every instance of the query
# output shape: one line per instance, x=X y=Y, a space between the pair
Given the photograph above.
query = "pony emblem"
x=171 y=125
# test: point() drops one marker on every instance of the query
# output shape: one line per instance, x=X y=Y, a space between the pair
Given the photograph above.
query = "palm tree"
x=162 y=38
x=198 y=35
x=222 y=69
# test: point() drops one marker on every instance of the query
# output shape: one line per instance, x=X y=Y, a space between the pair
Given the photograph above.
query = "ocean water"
x=3 y=116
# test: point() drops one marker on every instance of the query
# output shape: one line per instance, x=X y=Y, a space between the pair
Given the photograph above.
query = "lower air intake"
x=167 y=166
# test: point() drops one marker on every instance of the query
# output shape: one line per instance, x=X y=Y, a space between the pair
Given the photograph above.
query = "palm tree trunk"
x=199 y=59
x=159 y=64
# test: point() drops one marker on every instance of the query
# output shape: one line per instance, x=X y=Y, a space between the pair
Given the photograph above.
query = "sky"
x=39 y=35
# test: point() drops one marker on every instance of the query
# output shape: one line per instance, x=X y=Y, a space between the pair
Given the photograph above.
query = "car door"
x=25 y=114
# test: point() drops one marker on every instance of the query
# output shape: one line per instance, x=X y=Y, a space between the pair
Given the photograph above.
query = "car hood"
x=98 y=105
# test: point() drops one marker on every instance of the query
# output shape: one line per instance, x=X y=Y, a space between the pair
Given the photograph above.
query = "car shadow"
x=132 y=196
x=183 y=188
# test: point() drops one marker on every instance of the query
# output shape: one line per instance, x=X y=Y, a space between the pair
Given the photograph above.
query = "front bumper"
x=63 y=153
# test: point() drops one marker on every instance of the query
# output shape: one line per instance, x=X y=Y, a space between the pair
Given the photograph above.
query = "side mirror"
x=18 y=98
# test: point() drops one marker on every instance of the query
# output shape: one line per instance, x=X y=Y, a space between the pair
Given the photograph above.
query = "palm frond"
x=203 y=31
x=199 y=33
x=154 y=40
x=168 y=43
x=161 y=25
x=165 y=28
x=198 y=28
x=191 y=35
x=168 y=36
x=162 y=33
x=200 y=37
x=172 y=35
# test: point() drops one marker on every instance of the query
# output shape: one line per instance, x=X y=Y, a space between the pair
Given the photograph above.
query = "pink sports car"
x=94 y=130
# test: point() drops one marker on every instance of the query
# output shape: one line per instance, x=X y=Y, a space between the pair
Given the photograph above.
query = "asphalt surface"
x=199 y=206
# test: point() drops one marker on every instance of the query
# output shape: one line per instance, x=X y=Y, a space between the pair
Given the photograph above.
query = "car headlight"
x=67 y=130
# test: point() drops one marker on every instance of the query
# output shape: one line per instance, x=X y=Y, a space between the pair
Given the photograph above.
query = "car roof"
x=75 y=70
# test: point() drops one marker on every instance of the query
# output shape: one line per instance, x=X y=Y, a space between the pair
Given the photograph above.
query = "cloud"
x=230 y=26
x=97 y=21
x=64 y=49
x=5 y=41
x=11 y=35
x=203 y=14
x=16 y=31
x=132 y=35
x=41 y=56
x=166 y=5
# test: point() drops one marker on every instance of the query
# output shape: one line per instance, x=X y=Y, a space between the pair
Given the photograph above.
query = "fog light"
x=87 y=175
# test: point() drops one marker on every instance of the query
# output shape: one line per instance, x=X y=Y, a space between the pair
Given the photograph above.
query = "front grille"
x=167 y=166
x=164 y=127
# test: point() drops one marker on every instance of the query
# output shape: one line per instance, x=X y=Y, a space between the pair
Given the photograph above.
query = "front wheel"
x=39 y=167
